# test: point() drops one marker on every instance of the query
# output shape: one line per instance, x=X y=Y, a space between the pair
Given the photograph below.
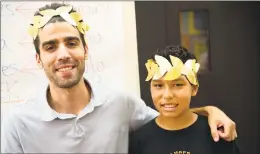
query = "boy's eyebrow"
x=157 y=80
x=176 y=80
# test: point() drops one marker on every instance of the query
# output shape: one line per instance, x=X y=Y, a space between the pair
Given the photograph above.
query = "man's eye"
x=72 y=44
x=49 y=48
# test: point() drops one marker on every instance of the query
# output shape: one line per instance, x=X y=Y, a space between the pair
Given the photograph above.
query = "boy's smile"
x=172 y=97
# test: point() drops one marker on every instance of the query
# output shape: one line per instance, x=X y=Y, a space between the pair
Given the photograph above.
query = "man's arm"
x=141 y=114
x=217 y=119
x=200 y=110
x=9 y=137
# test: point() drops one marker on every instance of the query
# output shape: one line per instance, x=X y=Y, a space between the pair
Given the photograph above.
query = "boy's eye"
x=157 y=85
x=178 y=85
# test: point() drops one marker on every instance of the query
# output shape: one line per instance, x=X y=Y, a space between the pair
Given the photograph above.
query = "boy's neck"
x=182 y=121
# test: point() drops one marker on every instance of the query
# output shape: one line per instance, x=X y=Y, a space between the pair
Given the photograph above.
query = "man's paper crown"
x=162 y=68
x=73 y=18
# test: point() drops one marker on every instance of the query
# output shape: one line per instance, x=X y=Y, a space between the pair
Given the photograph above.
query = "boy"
x=177 y=130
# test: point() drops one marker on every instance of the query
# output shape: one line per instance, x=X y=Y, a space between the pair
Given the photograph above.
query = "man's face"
x=172 y=97
x=62 y=54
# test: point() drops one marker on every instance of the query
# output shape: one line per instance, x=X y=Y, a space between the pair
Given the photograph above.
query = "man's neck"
x=71 y=100
x=182 y=121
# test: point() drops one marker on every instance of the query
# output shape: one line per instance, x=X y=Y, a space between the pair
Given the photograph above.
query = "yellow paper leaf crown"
x=161 y=68
x=73 y=18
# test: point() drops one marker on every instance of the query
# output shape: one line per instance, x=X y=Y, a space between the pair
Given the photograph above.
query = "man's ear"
x=194 y=90
x=38 y=60
x=86 y=52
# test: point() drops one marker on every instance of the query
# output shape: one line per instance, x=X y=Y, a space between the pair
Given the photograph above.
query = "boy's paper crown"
x=161 y=68
x=73 y=18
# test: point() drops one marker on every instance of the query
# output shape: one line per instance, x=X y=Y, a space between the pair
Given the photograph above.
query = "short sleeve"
x=140 y=112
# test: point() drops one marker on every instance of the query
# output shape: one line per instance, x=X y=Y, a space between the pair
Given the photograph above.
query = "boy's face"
x=62 y=54
x=172 y=97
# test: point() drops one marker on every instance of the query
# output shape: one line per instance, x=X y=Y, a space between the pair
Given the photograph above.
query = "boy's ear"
x=194 y=90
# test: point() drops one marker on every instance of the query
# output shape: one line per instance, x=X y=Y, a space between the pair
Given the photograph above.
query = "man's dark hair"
x=175 y=50
x=54 y=19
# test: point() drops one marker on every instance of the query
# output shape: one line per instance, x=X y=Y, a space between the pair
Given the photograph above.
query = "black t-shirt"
x=195 y=139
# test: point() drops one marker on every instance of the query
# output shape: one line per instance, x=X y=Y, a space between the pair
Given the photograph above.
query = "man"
x=72 y=114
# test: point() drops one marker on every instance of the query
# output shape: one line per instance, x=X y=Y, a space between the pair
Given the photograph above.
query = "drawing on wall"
x=194 y=33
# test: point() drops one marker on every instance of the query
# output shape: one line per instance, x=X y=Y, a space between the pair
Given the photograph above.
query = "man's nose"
x=63 y=52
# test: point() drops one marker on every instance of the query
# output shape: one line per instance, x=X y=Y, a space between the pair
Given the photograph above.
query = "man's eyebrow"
x=49 y=42
x=71 y=38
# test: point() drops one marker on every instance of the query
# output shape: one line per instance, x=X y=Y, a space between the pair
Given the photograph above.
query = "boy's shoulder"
x=151 y=127
x=202 y=122
x=146 y=130
x=222 y=146
x=226 y=147
x=200 y=126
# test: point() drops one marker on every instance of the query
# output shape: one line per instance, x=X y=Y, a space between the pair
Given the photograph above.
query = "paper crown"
x=162 y=68
x=73 y=18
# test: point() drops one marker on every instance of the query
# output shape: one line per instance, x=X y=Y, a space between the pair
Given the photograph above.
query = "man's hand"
x=220 y=124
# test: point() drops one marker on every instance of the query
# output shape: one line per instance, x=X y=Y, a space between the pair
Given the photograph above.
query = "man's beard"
x=66 y=83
